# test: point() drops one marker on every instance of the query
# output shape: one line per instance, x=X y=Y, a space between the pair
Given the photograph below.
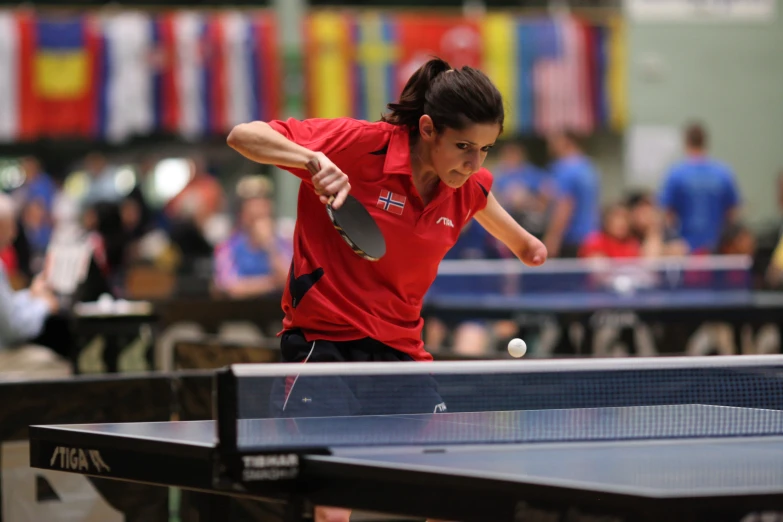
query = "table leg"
x=297 y=510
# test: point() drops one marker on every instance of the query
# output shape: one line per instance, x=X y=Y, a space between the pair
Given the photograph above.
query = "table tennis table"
x=672 y=293
x=609 y=440
x=504 y=288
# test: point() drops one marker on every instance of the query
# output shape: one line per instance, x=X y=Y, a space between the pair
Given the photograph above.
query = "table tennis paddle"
x=355 y=224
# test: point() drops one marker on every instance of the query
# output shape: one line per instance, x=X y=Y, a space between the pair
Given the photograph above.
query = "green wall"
x=726 y=74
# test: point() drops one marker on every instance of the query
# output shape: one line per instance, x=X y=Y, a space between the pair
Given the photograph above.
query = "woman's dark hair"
x=453 y=98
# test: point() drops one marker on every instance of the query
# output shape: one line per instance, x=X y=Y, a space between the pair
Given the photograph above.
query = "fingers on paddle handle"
x=313 y=166
x=337 y=200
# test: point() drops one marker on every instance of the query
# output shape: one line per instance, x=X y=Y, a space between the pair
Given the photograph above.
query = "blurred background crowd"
x=216 y=230
x=633 y=131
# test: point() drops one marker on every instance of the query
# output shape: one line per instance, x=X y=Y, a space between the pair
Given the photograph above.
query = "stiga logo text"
x=75 y=459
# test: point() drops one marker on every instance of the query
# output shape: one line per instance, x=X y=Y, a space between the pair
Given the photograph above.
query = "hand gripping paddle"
x=355 y=224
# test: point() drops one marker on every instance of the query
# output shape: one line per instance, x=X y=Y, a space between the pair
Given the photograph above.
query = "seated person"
x=614 y=238
x=252 y=262
x=738 y=240
x=648 y=225
x=22 y=316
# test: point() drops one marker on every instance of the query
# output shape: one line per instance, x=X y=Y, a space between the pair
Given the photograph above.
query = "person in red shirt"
x=614 y=239
x=419 y=173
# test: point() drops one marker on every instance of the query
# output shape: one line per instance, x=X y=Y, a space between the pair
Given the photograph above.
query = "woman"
x=418 y=171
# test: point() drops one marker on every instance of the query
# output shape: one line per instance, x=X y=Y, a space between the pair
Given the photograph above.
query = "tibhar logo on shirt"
x=391 y=202
x=445 y=221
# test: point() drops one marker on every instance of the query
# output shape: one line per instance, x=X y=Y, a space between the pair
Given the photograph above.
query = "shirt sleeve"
x=22 y=316
x=592 y=246
x=481 y=183
x=333 y=137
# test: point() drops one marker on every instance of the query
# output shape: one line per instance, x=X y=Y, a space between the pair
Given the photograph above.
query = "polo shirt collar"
x=398 y=154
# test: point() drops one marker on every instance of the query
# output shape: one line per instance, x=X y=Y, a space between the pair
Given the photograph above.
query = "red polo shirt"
x=333 y=293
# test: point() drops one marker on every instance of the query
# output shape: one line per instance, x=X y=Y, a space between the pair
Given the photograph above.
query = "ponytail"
x=411 y=105
x=455 y=99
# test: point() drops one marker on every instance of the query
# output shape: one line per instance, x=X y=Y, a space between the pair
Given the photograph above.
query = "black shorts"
x=349 y=395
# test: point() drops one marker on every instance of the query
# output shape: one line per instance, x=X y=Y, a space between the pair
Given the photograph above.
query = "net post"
x=226 y=408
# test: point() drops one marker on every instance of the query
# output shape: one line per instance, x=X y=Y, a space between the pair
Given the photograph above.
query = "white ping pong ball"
x=517 y=347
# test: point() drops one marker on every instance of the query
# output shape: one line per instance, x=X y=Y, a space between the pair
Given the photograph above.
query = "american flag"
x=391 y=202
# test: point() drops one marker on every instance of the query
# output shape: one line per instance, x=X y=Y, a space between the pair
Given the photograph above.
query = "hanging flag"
x=589 y=64
x=243 y=70
x=616 y=72
x=181 y=76
x=562 y=95
x=329 y=64
x=377 y=53
x=65 y=71
x=547 y=81
x=10 y=73
x=267 y=72
x=219 y=42
x=599 y=76
x=580 y=115
x=191 y=72
x=126 y=101
x=527 y=54
x=501 y=62
x=164 y=75
x=454 y=39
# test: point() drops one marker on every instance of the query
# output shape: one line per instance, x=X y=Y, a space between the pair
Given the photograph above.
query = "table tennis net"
x=500 y=401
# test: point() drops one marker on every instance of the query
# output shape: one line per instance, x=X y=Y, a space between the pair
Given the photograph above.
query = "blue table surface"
x=674 y=450
x=483 y=427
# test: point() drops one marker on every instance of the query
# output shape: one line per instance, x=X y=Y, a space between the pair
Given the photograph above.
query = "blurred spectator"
x=774 y=274
x=614 y=239
x=523 y=189
x=737 y=239
x=35 y=201
x=103 y=225
x=649 y=226
x=37 y=186
x=202 y=196
x=102 y=187
x=23 y=314
x=37 y=225
x=577 y=197
x=10 y=260
x=700 y=194
x=252 y=261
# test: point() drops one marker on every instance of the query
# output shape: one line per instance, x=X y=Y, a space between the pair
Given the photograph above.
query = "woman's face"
x=457 y=154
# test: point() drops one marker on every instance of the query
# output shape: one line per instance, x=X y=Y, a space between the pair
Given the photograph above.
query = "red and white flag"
x=391 y=202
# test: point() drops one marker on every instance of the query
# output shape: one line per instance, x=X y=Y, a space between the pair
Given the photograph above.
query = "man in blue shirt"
x=700 y=194
x=576 y=212
x=522 y=189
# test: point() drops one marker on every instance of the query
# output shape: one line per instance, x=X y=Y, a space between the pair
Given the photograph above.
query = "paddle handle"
x=313 y=166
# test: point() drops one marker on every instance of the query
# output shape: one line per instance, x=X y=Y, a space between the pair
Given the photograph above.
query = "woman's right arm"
x=259 y=142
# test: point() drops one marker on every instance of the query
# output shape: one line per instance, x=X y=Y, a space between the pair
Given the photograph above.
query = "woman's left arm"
x=495 y=220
